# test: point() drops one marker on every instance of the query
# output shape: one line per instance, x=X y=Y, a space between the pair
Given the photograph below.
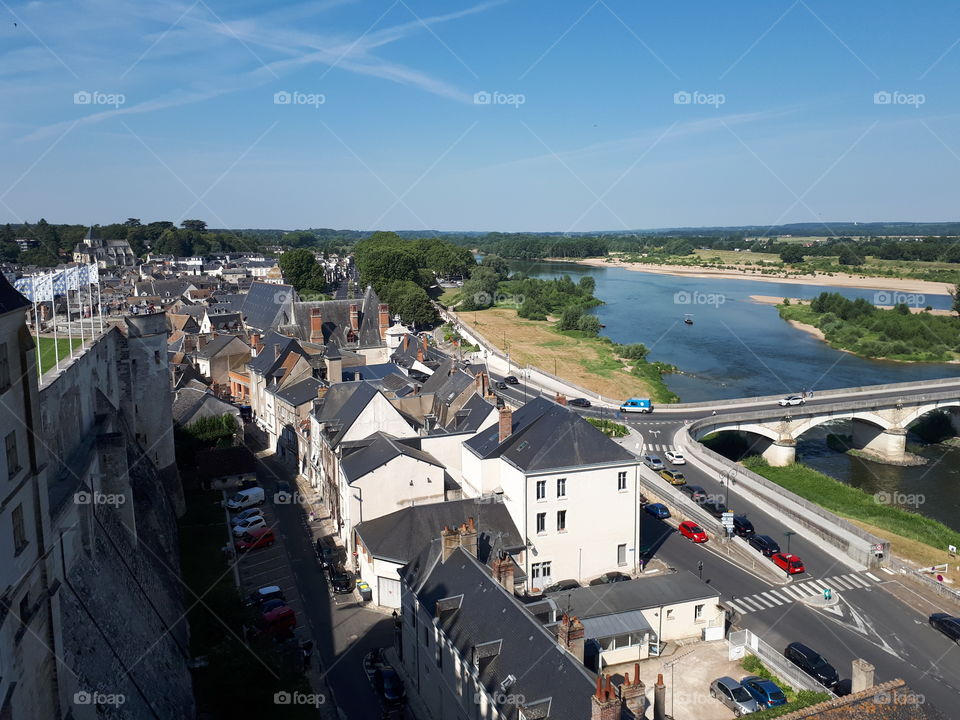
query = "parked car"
x=812 y=663
x=389 y=686
x=244 y=499
x=611 y=577
x=343 y=582
x=330 y=555
x=742 y=526
x=675 y=457
x=579 y=402
x=278 y=621
x=637 y=405
x=764 y=544
x=247 y=483
x=500 y=385
x=692 y=531
x=262 y=595
x=284 y=493
x=695 y=492
x=511 y=380
x=734 y=696
x=262 y=537
x=673 y=477
x=272 y=604
x=715 y=508
x=251 y=523
x=244 y=514
x=765 y=692
x=947 y=624
x=652 y=462
x=562 y=585
x=658 y=510
x=791 y=400
x=790 y=564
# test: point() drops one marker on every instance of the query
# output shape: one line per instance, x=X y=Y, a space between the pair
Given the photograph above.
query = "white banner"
x=93 y=273
x=43 y=287
x=73 y=278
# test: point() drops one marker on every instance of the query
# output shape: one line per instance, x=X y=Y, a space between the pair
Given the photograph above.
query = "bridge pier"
x=781 y=452
x=890 y=444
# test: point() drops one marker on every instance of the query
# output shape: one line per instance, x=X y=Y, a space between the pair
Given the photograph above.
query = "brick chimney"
x=660 y=699
x=503 y=571
x=316 y=325
x=633 y=693
x=354 y=317
x=254 y=342
x=202 y=339
x=383 y=319
x=468 y=536
x=480 y=383
x=506 y=422
x=321 y=392
x=420 y=354
x=450 y=541
x=423 y=341
x=606 y=705
x=570 y=635
x=561 y=399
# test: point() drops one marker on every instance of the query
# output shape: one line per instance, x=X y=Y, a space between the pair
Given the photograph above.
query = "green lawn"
x=48 y=358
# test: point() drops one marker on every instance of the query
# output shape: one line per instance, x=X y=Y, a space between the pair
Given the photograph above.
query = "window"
x=19 y=530
x=622 y=554
x=622 y=480
x=541 y=489
x=698 y=612
x=13 y=462
x=561 y=520
x=541 y=522
x=561 y=487
x=4 y=368
x=535 y=571
x=545 y=569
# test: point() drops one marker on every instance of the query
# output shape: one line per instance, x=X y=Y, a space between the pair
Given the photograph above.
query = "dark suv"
x=948 y=625
x=742 y=526
x=765 y=544
x=812 y=663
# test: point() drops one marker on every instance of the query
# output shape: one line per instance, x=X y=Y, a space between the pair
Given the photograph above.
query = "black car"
x=947 y=624
x=271 y=605
x=743 y=527
x=500 y=385
x=610 y=577
x=390 y=686
x=716 y=509
x=562 y=585
x=812 y=663
x=696 y=493
x=764 y=544
x=511 y=380
x=579 y=402
x=343 y=582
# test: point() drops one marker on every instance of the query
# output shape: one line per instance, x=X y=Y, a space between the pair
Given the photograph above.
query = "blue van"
x=640 y=405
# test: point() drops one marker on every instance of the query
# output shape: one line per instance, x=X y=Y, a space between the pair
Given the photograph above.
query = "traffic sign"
x=727 y=519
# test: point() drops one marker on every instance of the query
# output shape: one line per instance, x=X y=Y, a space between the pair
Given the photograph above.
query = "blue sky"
x=605 y=115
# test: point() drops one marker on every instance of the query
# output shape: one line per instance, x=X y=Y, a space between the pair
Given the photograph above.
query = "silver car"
x=734 y=696
x=653 y=462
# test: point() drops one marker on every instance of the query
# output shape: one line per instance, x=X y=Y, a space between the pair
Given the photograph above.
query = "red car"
x=789 y=563
x=279 y=621
x=690 y=529
x=261 y=537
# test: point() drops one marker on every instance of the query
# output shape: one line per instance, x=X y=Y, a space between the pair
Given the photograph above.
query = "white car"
x=245 y=515
x=675 y=458
x=251 y=523
x=792 y=400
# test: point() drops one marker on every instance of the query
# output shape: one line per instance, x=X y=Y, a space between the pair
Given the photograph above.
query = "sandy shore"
x=776 y=300
x=837 y=280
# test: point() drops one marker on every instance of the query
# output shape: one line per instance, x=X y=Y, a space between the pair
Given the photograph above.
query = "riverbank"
x=907 y=285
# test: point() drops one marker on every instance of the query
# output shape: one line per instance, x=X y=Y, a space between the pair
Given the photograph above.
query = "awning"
x=632 y=621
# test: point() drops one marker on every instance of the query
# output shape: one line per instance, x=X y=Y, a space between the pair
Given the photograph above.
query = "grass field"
x=731 y=257
x=587 y=361
x=48 y=356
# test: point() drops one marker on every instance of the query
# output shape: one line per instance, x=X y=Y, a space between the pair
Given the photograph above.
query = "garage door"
x=388 y=590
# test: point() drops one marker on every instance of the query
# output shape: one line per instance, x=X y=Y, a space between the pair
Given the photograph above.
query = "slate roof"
x=399 y=536
x=298 y=393
x=377 y=371
x=10 y=299
x=336 y=320
x=194 y=401
x=267 y=361
x=163 y=288
x=489 y=614
x=640 y=594
x=469 y=417
x=407 y=356
x=268 y=306
x=342 y=405
x=217 y=344
x=381 y=449
x=548 y=436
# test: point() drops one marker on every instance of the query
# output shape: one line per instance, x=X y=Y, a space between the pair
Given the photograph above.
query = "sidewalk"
x=416 y=708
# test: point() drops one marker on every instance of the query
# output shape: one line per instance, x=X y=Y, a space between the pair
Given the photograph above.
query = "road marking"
x=806 y=589
x=784 y=597
x=772 y=599
x=757 y=600
x=736 y=607
x=873 y=577
x=857 y=580
x=888 y=571
x=792 y=591
x=818 y=585
x=845 y=584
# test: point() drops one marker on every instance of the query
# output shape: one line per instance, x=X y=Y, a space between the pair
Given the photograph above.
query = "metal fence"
x=745 y=641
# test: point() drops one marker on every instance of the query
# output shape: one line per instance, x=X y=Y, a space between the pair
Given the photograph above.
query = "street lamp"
x=788 y=534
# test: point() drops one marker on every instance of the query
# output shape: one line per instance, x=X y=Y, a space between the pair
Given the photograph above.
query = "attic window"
x=523 y=445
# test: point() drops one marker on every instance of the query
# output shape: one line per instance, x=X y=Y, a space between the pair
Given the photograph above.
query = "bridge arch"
x=913 y=414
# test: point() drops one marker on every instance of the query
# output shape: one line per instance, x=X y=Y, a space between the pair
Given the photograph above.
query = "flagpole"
x=36 y=316
x=69 y=325
x=99 y=306
x=56 y=342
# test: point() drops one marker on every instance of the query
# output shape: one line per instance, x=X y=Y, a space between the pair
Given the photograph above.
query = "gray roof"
x=336 y=320
x=269 y=360
x=342 y=405
x=298 y=393
x=624 y=623
x=470 y=416
x=381 y=448
x=400 y=535
x=195 y=401
x=377 y=371
x=548 y=436
x=10 y=299
x=217 y=344
x=173 y=287
x=639 y=594
x=268 y=306
x=545 y=674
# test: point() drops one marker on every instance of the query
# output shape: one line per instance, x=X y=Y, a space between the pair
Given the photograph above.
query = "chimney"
x=321 y=392
x=449 y=540
x=503 y=571
x=606 y=705
x=570 y=635
x=254 y=343
x=862 y=677
x=383 y=319
x=406 y=341
x=202 y=340
x=561 y=399
x=633 y=693
x=468 y=536
x=276 y=352
x=423 y=340
x=660 y=699
x=480 y=383
x=316 y=325
x=420 y=354
x=506 y=422
x=354 y=317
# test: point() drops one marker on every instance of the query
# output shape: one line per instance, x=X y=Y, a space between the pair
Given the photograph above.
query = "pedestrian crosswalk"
x=654 y=447
x=791 y=593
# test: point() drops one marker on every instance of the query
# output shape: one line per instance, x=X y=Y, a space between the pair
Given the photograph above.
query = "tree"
x=498 y=265
x=792 y=254
x=570 y=318
x=300 y=269
x=132 y=222
x=955 y=297
x=588 y=284
x=589 y=324
x=409 y=301
x=195 y=225
x=848 y=256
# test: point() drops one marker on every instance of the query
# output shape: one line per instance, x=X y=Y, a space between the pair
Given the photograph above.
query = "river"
x=739 y=348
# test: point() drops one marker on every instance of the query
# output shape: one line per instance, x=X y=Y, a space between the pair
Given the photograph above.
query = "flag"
x=24 y=286
x=59 y=283
x=73 y=278
x=84 y=272
x=43 y=287
x=93 y=272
